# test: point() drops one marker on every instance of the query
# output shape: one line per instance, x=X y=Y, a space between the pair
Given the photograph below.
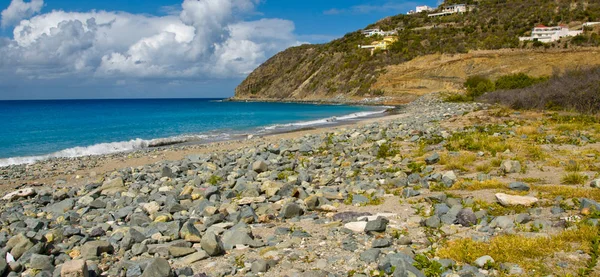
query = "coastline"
x=80 y=170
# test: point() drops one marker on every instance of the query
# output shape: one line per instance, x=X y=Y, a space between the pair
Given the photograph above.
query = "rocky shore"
x=386 y=198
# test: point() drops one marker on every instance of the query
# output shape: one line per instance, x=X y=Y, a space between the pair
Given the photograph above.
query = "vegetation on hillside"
x=576 y=90
x=342 y=67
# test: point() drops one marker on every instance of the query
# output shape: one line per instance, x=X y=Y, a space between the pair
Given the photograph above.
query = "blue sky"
x=150 y=48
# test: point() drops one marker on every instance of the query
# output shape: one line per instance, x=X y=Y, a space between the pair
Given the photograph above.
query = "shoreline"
x=97 y=165
x=207 y=137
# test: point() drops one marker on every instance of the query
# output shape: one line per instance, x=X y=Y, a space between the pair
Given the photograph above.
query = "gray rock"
x=291 y=210
x=510 y=167
x=482 y=261
x=138 y=249
x=466 y=217
x=177 y=251
x=61 y=207
x=158 y=267
x=433 y=159
x=260 y=166
x=433 y=222
x=519 y=186
x=358 y=199
x=41 y=262
x=595 y=183
x=166 y=172
x=522 y=218
x=93 y=249
x=370 y=255
x=377 y=225
x=212 y=244
x=381 y=243
x=590 y=204
x=503 y=222
x=259 y=266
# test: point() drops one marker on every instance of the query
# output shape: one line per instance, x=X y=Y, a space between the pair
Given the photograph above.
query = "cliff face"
x=431 y=54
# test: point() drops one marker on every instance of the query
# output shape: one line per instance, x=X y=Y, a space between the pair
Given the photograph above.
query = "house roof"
x=541 y=26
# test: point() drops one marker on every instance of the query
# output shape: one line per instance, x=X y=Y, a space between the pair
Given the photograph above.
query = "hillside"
x=339 y=70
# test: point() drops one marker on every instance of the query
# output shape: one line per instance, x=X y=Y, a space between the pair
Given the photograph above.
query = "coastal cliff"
x=340 y=71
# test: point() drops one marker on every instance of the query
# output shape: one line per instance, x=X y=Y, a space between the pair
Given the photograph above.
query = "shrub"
x=516 y=81
x=478 y=85
x=576 y=90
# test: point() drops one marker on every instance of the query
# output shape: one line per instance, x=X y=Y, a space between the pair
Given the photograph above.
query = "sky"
x=84 y=49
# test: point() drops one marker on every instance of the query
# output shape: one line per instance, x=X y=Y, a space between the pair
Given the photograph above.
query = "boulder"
x=260 y=166
x=113 y=186
x=74 y=268
x=158 y=267
x=212 y=244
x=513 y=200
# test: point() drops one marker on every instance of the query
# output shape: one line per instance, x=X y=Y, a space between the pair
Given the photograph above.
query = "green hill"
x=340 y=69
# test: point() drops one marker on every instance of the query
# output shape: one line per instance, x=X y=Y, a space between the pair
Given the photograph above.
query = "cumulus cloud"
x=208 y=39
x=18 y=10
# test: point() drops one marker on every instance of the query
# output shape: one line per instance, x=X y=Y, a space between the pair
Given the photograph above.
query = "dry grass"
x=477 y=185
x=568 y=192
x=461 y=162
x=574 y=178
x=529 y=253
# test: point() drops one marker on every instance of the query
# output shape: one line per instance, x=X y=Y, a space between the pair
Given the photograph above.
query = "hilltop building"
x=589 y=24
x=421 y=9
x=377 y=31
x=452 y=9
x=546 y=34
x=380 y=45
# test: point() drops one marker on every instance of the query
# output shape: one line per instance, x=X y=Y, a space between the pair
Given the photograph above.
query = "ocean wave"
x=323 y=121
x=102 y=149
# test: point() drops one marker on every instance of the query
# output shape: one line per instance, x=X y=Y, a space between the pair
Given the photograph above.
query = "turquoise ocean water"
x=37 y=130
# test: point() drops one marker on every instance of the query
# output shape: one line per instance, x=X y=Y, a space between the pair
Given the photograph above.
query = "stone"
x=74 y=268
x=377 y=225
x=97 y=204
x=212 y=244
x=586 y=203
x=522 y=218
x=189 y=232
x=503 y=222
x=26 y=192
x=138 y=249
x=433 y=222
x=291 y=210
x=41 y=262
x=259 y=266
x=433 y=159
x=518 y=186
x=513 y=200
x=449 y=178
x=112 y=187
x=370 y=255
x=195 y=257
x=260 y=166
x=93 y=249
x=381 y=243
x=482 y=261
x=177 y=251
x=61 y=207
x=509 y=166
x=466 y=217
x=595 y=183
x=158 y=267
x=358 y=226
x=151 y=208
x=165 y=171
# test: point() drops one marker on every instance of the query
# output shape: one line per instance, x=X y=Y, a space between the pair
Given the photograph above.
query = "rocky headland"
x=441 y=189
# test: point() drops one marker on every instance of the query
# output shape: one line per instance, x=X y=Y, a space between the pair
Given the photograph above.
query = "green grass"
x=574 y=178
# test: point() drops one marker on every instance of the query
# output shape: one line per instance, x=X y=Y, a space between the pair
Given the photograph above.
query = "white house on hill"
x=448 y=10
x=420 y=9
x=374 y=32
x=546 y=34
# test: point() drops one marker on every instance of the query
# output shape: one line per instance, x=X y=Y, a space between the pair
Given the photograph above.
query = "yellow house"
x=381 y=44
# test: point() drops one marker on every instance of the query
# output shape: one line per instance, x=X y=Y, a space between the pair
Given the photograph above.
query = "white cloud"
x=18 y=10
x=209 y=39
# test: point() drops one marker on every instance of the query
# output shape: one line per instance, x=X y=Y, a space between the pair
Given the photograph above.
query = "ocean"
x=37 y=130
